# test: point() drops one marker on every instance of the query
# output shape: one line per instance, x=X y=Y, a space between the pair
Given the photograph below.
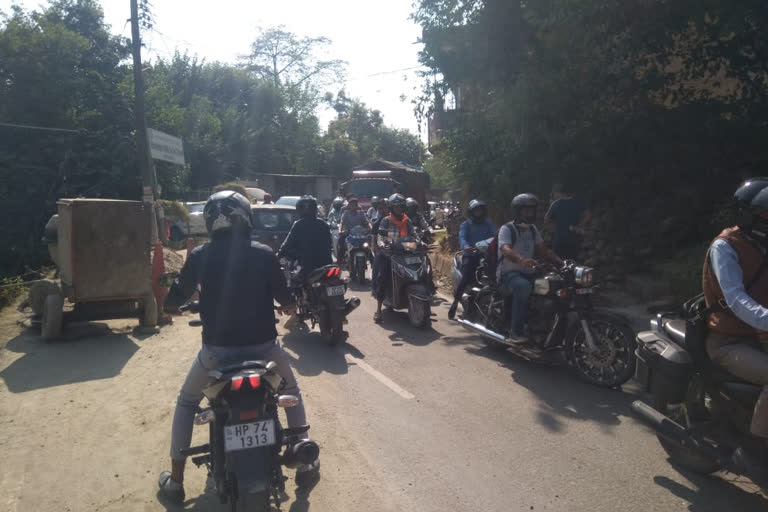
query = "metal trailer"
x=102 y=254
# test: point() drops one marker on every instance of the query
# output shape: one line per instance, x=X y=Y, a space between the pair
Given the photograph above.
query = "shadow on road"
x=403 y=332
x=713 y=494
x=314 y=356
x=100 y=355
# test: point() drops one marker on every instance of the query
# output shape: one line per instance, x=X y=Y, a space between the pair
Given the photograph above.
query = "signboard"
x=165 y=147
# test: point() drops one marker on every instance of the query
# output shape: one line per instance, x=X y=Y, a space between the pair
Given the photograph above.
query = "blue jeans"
x=519 y=286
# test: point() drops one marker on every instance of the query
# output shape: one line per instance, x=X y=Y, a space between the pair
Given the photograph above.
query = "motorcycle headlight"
x=583 y=276
x=366 y=245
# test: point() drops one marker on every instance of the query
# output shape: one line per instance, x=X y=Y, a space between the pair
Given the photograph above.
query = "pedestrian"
x=568 y=216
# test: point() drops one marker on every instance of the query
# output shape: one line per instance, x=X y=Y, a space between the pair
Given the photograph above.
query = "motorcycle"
x=701 y=413
x=358 y=252
x=243 y=455
x=562 y=323
x=410 y=271
x=320 y=299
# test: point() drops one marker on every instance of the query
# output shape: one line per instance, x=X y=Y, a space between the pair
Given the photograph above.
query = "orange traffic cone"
x=158 y=267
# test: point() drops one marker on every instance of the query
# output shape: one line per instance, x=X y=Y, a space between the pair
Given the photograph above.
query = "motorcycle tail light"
x=236 y=383
x=254 y=381
x=329 y=274
x=248 y=415
x=204 y=417
x=562 y=293
x=287 y=401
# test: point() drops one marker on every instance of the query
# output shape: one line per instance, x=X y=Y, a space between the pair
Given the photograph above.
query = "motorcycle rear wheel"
x=688 y=414
x=614 y=364
x=419 y=310
x=252 y=502
x=332 y=327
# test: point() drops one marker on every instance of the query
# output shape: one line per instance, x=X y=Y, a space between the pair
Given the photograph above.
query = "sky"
x=374 y=37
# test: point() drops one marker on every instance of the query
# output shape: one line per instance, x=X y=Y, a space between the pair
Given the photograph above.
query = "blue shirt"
x=471 y=232
x=565 y=212
x=725 y=264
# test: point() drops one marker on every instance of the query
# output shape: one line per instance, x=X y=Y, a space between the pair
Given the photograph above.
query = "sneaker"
x=307 y=474
x=452 y=310
x=170 y=489
x=516 y=338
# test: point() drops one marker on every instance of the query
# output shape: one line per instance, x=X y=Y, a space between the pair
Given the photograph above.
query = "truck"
x=320 y=186
x=383 y=178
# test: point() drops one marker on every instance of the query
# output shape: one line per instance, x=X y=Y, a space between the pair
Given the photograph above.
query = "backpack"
x=492 y=259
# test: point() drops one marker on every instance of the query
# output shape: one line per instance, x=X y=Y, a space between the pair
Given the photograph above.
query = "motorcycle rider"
x=239 y=281
x=373 y=211
x=350 y=218
x=309 y=240
x=473 y=230
x=735 y=285
x=391 y=228
x=519 y=243
x=382 y=212
x=412 y=211
x=334 y=216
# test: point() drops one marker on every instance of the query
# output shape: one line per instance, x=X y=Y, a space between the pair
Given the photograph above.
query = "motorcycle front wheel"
x=419 y=310
x=613 y=363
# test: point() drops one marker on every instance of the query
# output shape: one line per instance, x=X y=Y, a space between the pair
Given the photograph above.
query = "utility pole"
x=142 y=143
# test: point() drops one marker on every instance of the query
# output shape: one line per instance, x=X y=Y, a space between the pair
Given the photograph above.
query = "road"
x=407 y=420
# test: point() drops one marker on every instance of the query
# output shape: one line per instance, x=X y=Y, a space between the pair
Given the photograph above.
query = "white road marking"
x=380 y=377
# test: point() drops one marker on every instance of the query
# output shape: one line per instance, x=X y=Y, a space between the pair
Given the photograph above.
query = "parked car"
x=288 y=200
x=194 y=227
x=271 y=223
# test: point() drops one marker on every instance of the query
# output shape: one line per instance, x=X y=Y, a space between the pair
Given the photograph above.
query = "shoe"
x=171 y=490
x=750 y=465
x=377 y=317
x=516 y=338
x=307 y=474
x=452 y=310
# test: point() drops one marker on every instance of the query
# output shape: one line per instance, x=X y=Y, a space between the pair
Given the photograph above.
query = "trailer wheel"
x=53 y=317
x=40 y=291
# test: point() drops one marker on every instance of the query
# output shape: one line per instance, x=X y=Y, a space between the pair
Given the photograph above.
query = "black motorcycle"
x=358 y=252
x=700 y=412
x=562 y=323
x=320 y=299
x=410 y=272
x=243 y=455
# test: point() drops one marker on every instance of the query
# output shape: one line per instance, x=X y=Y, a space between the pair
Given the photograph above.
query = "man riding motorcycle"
x=334 y=215
x=391 y=228
x=473 y=230
x=738 y=323
x=519 y=242
x=352 y=217
x=309 y=240
x=239 y=281
x=412 y=211
x=373 y=211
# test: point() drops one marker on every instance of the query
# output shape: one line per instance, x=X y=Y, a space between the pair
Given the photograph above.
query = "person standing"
x=568 y=214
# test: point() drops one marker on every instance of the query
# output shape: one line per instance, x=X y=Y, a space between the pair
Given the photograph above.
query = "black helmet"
x=751 y=201
x=375 y=200
x=338 y=203
x=307 y=206
x=522 y=201
x=397 y=201
x=411 y=205
x=227 y=210
x=477 y=205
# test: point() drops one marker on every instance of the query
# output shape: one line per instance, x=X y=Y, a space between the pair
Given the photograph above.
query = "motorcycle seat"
x=675 y=329
x=743 y=392
x=244 y=365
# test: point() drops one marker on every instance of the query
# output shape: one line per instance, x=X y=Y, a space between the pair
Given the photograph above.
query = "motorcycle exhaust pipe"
x=352 y=304
x=671 y=429
x=303 y=452
x=482 y=330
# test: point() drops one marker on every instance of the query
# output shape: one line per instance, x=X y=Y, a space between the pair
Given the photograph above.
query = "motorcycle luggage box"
x=663 y=367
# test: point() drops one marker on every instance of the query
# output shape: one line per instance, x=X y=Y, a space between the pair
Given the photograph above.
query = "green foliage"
x=656 y=110
x=10 y=289
x=174 y=209
x=235 y=187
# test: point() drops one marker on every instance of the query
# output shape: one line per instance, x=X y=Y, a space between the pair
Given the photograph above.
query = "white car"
x=194 y=227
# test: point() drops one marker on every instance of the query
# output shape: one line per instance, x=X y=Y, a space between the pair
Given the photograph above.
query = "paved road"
x=408 y=420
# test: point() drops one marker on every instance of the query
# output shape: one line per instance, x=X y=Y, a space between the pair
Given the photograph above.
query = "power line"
x=46 y=128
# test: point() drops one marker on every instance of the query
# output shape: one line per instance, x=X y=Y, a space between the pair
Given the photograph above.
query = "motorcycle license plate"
x=585 y=291
x=412 y=260
x=334 y=291
x=249 y=435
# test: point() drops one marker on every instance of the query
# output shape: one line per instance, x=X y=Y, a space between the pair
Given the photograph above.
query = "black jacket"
x=310 y=243
x=239 y=281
